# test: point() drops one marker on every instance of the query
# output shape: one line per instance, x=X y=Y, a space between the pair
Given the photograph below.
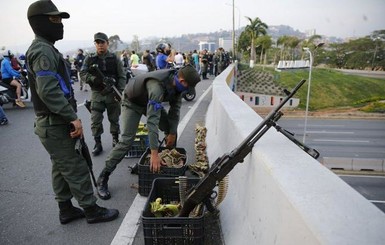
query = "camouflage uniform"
x=101 y=98
x=54 y=113
x=55 y=109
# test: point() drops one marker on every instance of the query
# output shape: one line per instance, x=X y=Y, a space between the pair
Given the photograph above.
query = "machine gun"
x=223 y=165
x=108 y=82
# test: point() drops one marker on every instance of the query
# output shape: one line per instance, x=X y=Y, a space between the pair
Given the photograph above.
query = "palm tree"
x=255 y=29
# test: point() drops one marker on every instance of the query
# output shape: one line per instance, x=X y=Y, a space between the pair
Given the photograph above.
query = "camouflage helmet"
x=45 y=7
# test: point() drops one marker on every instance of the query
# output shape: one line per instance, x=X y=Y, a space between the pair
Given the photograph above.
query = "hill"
x=331 y=90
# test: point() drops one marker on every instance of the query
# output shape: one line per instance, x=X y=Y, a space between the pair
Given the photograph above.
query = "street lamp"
x=308 y=87
x=233 y=32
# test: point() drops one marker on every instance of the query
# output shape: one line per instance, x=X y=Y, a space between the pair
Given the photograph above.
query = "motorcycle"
x=8 y=92
x=189 y=95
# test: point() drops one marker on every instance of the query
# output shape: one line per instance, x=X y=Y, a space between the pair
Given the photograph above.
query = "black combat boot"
x=98 y=146
x=102 y=185
x=96 y=214
x=115 y=139
x=69 y=213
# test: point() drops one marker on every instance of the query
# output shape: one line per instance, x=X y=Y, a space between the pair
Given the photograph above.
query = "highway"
x=350 y=138
x=29 y=213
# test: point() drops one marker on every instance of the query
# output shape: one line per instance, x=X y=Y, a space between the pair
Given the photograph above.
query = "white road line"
x=376 y=201
x=329 y=132
x=362 y=176
x=345 y=141
x=127 y=230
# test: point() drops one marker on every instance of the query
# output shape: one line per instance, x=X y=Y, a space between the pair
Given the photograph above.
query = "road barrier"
x=279 y=194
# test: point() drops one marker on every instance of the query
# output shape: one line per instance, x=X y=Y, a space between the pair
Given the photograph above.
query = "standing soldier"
x=78 y=64
x=103 y=96
x=55 y=109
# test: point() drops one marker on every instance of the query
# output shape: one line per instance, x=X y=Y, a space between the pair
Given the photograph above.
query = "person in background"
x=3 y=117
x=78 y=65
x=56 y=121
x=204 y=61
x=134 y=59
x=103 y=96
x=125 y=61
x=144 y=95
x=148 y=60
x=195 y=57
x=179 y=60
x=165 y=56
x=9 y=76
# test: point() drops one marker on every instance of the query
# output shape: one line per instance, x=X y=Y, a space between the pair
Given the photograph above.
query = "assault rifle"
x=108 y=82
x=223 y=165
x=81 y=148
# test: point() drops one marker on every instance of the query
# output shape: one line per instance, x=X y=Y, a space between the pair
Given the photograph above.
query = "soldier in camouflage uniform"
x=55 y=109
x=103 y=96
x=144 y=95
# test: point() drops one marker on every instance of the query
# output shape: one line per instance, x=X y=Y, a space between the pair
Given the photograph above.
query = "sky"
x=172 y=18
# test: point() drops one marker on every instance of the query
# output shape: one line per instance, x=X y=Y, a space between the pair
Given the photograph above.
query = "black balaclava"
x=42 y=26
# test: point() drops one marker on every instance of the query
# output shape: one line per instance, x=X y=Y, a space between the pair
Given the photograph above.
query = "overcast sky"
x=169 y=18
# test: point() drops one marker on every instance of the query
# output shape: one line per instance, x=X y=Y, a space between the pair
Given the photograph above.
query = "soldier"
x=144 y=95
x=55 y=109
x=103 y=96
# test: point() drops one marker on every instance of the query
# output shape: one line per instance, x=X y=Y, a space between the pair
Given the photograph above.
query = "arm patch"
x=44 y=63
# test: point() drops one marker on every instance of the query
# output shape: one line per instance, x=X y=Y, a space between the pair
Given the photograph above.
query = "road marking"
x=127 y=230
x=329 y=132
x=376 y=201
x=345 y=141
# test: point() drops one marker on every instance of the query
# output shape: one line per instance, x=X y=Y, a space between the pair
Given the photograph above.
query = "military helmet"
x=45 y=7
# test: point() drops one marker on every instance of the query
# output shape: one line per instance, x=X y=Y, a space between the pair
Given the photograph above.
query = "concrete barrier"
x=279 y=194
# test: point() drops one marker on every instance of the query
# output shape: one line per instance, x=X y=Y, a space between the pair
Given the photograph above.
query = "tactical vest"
x=108 y=66
x=136 y=91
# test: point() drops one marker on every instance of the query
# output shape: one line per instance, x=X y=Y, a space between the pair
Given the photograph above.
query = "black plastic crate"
x=171 y=230
x=146 y=176
x=138 y=147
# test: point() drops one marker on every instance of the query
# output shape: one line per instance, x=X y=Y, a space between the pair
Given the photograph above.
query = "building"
x=226 y=44
x=209 y=46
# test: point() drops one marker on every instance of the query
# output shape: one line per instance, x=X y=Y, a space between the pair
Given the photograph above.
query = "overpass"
x=279 y=194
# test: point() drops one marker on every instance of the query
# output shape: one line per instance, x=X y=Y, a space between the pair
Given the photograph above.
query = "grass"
x=333 y=89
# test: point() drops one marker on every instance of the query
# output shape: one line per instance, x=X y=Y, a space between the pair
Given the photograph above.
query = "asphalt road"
x=28 y=211
x=350 y=138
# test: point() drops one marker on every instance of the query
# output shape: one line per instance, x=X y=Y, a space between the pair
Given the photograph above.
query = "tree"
x=264 y=42
x=254 y=30
x=135 y=44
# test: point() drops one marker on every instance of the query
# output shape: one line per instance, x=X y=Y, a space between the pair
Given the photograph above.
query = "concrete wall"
x=279 y=194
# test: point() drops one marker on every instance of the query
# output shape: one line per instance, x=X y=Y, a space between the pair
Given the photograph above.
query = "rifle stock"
x=223 y=165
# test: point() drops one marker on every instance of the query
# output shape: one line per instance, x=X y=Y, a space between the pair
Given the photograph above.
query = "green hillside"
x=332 y=89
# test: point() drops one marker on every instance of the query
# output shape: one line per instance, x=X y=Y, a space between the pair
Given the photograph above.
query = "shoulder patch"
x=44 y=63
